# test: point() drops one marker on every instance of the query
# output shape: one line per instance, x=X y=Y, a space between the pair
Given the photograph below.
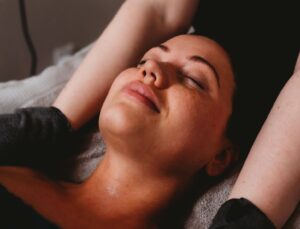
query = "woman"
x=163 y=123
x=252 y=46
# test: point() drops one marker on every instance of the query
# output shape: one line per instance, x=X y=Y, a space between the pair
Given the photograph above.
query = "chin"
x=121 y=120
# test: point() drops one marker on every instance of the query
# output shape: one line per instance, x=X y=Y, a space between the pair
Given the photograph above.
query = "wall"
x=52 y=24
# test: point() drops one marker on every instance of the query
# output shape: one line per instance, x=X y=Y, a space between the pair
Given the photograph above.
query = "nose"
x=153 y=72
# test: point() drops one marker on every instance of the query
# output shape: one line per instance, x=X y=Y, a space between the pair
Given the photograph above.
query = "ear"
x=221 y=161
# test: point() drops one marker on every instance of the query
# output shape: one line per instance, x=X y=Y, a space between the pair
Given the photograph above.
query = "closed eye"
x=193 y=80
x=142 y=62
x=196 y=82
x=185 y=77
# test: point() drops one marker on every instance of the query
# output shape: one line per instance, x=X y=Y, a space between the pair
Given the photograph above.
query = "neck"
x=128 y=193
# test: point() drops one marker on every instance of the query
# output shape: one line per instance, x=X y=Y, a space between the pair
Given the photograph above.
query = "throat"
x=126 y=194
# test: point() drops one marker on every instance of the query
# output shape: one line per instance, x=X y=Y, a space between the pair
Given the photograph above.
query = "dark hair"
x=242 y=128
x=236 y=125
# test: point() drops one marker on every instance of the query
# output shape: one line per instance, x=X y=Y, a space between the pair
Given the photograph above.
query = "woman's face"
x=171 y=111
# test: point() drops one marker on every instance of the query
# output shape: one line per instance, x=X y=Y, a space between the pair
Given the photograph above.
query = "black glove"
x=240 y=214
x=34 y=137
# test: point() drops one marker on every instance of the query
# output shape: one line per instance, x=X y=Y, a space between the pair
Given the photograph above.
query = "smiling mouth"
x=142 y=94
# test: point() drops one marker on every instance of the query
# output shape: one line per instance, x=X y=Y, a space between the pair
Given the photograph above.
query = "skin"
x=109 y=56
x=142 y=170
x=274 y=158
x=165 y=19
x=191 y=112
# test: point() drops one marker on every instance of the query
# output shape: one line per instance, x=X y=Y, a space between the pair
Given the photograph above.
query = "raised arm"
x=270 y=178
x=48 y=134
x=137 y=26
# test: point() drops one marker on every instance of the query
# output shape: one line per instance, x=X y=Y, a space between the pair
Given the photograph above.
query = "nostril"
x=153 y=75
x=144 y=73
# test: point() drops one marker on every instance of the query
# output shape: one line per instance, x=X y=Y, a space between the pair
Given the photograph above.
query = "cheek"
x=195 y=120
x=191 y=111
x=125 y=77
x=118 y=114
x=120 y=81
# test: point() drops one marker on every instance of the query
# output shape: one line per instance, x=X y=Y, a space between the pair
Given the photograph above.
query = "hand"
x=34 y=136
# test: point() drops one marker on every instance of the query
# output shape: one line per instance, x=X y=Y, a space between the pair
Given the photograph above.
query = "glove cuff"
x=240 y=214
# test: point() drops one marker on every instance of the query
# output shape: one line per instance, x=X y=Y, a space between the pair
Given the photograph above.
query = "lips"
x=142 y=93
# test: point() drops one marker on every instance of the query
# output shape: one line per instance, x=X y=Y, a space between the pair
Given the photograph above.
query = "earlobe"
x=221 y=162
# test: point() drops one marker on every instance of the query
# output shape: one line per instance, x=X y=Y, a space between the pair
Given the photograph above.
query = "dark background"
x=262 y=38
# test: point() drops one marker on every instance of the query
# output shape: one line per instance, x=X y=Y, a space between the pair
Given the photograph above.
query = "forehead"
x=198 y=45
x=183 y=46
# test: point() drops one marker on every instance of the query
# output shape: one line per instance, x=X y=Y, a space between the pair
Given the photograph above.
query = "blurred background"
x=48 y=30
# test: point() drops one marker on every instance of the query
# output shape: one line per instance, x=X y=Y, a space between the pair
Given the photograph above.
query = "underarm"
x=271 y=174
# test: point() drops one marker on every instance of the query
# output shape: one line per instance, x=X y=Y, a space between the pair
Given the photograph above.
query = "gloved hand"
x=35 y=136
x=240 y=214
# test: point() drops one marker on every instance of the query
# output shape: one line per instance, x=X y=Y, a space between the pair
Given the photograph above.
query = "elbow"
x=169 y=19
x=180 y=17
x=179 y=25
x=178 y=22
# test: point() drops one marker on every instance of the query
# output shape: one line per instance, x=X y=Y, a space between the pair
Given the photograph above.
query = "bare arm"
x=137 y=26
x=271 y=174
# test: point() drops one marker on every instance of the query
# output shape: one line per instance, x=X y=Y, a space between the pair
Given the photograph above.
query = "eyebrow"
x=198 y=59
x=163 y=48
